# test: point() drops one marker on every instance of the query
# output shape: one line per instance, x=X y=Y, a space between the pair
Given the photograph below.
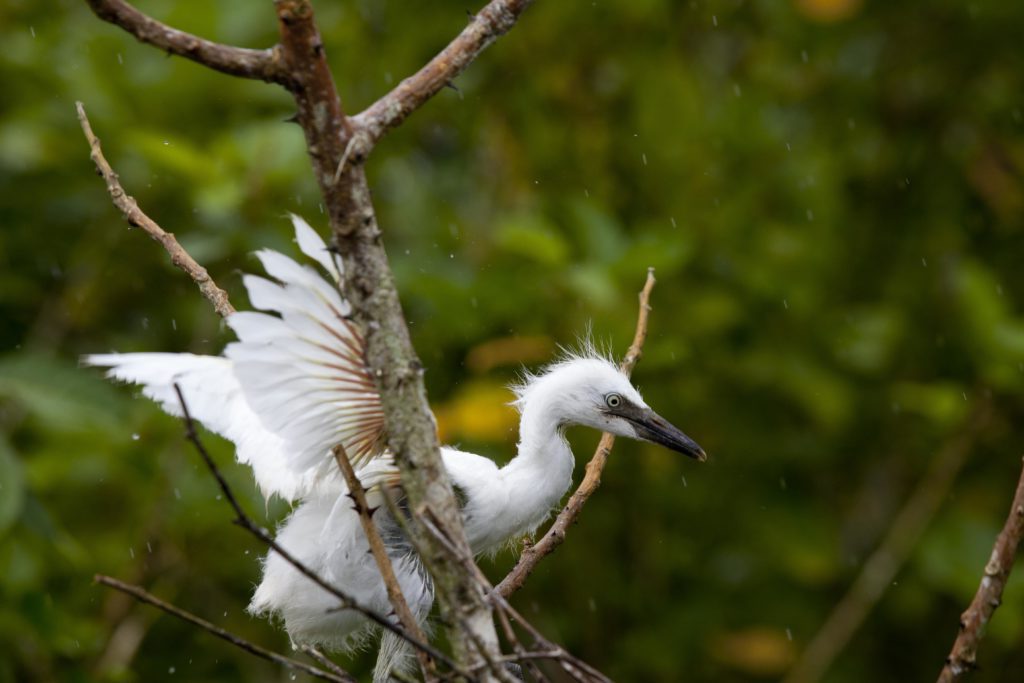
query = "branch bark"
x=962 y=658
x=370 y=287
x=486 y=26
x=380 y=553
x=263 y=65
x=554 y=537
x=138 y=219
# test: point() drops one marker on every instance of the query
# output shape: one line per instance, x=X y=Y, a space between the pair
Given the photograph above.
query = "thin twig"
x=338 y=675
x=136 y=218
x=244 y=521
x=236 y=61
x=881 y=567
x=380 y=554
x=322 y=659
x=962 y=658
x=554 y=537
x=484 y=28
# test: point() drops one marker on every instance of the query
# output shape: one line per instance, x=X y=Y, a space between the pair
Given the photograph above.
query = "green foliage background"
x=831 y=193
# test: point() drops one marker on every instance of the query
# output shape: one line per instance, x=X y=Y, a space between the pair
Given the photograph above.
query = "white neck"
x=533 y=482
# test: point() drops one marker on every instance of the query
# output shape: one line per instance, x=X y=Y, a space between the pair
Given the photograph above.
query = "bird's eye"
x=613 y=400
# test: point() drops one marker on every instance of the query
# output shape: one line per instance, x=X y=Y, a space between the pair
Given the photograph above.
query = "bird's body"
x=295 y=385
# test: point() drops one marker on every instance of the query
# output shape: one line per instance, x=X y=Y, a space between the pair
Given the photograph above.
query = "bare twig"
x=322 y=659
x=339 y=675
x=136 y=218
x=881 y=567
x=484 y=28
x=554 y=537
x=380 y=553
x=243 y=520
x=236 y=61
x=990 y=592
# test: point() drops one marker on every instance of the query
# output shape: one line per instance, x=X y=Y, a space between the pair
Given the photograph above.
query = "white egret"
x=295 y=385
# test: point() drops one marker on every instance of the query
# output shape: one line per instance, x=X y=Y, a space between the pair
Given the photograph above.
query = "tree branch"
x=243 y=520
x=370 y=287
x=137 y=219
x=554 y=537
x=486 y=26
x=339 y=676
x=236 y=61
x=990 y=592
x=380 y=553
x=881 y=567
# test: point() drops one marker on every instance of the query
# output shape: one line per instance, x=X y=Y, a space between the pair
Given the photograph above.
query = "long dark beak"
x=652 y=427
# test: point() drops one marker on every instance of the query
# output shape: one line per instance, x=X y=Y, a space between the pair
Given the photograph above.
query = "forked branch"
x=484 y=28
x=554 y=537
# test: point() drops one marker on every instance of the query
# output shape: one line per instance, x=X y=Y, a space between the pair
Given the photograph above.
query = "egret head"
x=591 y=391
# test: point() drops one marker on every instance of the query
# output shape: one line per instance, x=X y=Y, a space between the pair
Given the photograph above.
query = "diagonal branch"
x=136 y=218
x=990 y=593
x=554 y=537
x=338 y=675
x=243 y=520
x=486 y=26
x=380 y=553
x=263 y=65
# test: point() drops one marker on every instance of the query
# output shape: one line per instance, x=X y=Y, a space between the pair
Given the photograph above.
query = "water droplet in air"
x=177 y=494
x=32 y=30
x=789 y=634
x=135 y=437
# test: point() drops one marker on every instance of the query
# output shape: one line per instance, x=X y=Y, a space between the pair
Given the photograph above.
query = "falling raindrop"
x=135 y=437
x=32 y=30
x=672 y=220
x=803 y=56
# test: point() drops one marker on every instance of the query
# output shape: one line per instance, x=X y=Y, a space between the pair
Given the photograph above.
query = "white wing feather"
x=214 y=398
x=292 y=387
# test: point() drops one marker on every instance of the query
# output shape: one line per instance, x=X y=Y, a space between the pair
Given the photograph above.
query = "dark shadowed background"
x=831 y=191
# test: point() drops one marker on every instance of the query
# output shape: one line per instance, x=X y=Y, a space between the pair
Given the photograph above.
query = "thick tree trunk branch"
x=990 y=592
x=370 y=287
x=137 y=219
x=236 y=61
x=554 y=537
x=486 y=26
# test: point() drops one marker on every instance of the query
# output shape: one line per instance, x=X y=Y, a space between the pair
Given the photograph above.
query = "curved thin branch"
x=486 y=26
x=136 y=218
x=554 y=537
x=990 y=593
x=337 y=675
x=237 y=61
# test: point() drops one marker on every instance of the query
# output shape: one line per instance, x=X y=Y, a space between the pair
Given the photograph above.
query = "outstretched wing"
x=303 y=370
x=293 y=386
x=215 y=398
